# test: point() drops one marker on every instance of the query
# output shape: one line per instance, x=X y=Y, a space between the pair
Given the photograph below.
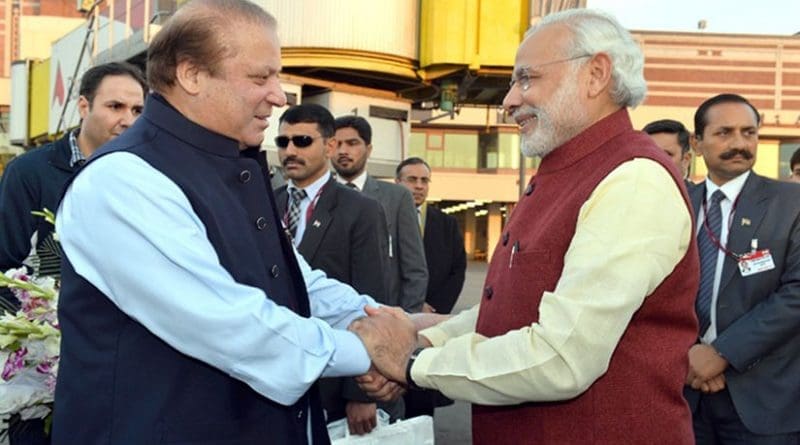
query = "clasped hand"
x=390 y=337
x=706 y=369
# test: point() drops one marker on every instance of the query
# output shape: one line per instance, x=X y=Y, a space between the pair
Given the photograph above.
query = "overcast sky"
x=777 y=17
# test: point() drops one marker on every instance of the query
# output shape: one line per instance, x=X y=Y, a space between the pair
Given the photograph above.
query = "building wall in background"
x=27 y=28
x=14 y=33
x=441 y=44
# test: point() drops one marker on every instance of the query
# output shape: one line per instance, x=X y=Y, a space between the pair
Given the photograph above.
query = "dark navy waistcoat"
x=118 y=383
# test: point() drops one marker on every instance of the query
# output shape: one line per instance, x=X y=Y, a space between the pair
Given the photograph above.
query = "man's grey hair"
x=597 y=32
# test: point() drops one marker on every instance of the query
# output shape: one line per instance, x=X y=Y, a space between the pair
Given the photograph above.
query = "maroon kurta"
x=639 y=399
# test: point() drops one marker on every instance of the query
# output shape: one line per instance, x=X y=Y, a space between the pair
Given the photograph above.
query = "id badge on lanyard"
x=751 y=263
x=756 y=261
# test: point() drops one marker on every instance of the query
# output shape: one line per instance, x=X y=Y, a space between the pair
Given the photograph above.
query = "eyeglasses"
x=301 y=141
x=524 y=79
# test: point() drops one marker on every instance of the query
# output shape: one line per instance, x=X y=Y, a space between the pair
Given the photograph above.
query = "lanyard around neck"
x=717 y=241
x=309 y=210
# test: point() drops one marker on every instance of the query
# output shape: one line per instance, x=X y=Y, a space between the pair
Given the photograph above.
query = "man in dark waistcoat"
x=186 y=315
x=587 y=310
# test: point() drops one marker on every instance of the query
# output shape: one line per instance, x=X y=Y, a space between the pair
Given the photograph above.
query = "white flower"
x=25 y=390
x=29 y=347
x=16 y=273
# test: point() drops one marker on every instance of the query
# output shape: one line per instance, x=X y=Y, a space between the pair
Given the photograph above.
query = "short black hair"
x=410 y=161
x=92 y=78
x=359 y=123
x=700 y=116
x=670 y=126
x=795 y=159
x=310 y=114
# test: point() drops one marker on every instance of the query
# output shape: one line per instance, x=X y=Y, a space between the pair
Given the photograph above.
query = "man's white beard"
x=557 y=121
x=540 y=141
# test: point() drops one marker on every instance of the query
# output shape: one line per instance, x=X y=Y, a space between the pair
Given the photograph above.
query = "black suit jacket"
x=758 y=316
x=446 y=258
x=342 y=238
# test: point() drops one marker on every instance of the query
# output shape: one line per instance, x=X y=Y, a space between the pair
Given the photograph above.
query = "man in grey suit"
x=441 y=236
x=407 y=272
x=337 y=230
x=447 y=264
x=744 y=370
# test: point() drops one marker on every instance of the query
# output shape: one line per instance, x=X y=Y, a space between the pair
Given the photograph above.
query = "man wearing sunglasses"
x=336 y=229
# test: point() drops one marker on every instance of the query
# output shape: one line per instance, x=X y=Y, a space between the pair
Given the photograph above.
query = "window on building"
x=786 y=150
x=448 y=149
x=468 y=149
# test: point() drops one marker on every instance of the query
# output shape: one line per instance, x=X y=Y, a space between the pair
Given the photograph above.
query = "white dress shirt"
x=312 y=196
x=731 y=190
x=132 y=233
x=358 y=181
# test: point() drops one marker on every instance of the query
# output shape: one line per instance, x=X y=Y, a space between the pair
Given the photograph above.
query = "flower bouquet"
x=29 y=349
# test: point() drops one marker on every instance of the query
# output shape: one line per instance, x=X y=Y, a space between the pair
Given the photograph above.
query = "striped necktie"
x=708 y=260
x=294 y=209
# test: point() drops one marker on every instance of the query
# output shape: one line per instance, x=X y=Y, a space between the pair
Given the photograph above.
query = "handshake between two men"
x=390 y=337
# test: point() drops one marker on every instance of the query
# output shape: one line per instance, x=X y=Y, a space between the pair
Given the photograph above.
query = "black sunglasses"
x=298 y=141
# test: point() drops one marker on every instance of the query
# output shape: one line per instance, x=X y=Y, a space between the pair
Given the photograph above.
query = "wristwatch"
x=409 y=382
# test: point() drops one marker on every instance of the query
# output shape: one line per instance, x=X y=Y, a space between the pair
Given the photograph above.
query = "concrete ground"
x=452 y=423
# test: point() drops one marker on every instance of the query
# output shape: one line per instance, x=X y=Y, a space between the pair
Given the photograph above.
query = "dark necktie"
x=708 y=260
x=294 y=209
x=352 y=186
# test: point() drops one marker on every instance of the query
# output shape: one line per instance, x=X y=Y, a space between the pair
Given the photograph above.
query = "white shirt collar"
x=313 y=188
x=359 y=180
x=730 y=189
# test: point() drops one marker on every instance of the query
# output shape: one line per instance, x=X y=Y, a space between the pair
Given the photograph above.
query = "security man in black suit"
x=336 y=229
x=446 y=258
x=744 y=370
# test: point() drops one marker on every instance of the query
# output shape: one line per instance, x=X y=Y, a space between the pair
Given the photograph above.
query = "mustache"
x=343 y=158
x=730 y=154
x=526 y=109
x=294 y=159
